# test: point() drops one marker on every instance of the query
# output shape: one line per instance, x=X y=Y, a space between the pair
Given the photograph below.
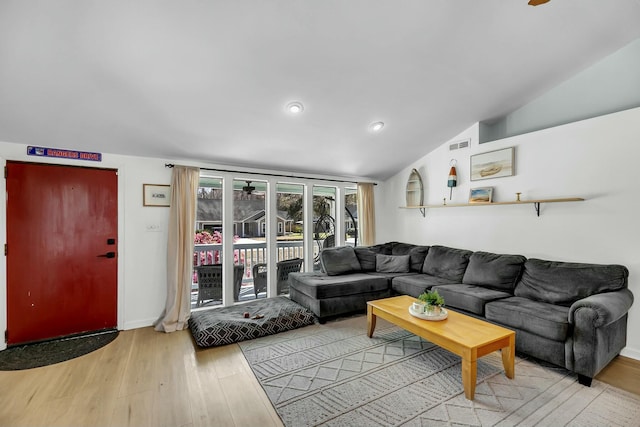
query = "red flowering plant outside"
x=212 y=256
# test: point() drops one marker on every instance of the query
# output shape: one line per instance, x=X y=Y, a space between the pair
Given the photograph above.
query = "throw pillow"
x=446 y=263
x=339 y=260
x=393 y=263
x=367 y=258
x=564 y=283
x=494 y=270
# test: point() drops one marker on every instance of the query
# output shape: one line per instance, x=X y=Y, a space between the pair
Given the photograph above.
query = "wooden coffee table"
x=466 y=336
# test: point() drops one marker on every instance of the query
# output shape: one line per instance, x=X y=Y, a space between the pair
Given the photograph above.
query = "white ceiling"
x=208 y=80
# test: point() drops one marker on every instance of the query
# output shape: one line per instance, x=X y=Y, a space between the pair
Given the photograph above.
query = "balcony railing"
x=248 y=254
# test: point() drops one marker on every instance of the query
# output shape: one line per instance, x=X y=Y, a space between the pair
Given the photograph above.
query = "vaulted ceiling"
x=208 y=80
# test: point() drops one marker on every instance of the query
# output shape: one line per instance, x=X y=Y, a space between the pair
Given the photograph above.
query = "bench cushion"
x=220 y=326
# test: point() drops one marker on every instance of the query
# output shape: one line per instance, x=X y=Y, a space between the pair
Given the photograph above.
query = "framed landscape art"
x=481 y=195
x=492 y=164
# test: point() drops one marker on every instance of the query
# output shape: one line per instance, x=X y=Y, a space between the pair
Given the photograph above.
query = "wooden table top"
x=459 y=328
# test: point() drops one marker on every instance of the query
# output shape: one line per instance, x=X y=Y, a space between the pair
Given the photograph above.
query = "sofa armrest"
x=599 y=332
x=602 y=308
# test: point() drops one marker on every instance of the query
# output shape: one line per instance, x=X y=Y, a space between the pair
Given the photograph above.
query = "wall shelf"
x=415 y=189
x=536 y=204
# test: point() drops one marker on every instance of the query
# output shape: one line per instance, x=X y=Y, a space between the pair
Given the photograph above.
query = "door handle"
x=108 y=255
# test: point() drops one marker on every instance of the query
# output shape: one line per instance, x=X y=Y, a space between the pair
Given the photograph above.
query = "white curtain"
x=366 y=214
x=182 y=217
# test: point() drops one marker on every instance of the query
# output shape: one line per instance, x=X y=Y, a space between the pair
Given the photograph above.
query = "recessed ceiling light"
x=294 y=107
x=376 y=126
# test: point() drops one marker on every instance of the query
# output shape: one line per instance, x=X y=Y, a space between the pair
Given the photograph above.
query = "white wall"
x=141 y=253
x=597 y=159
x=142 y=231
x=610 y=85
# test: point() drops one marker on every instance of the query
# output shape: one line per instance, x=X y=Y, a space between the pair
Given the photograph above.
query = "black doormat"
x=49 y=352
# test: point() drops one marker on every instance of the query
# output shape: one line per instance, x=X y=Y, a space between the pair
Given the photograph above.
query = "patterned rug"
x=334 y=375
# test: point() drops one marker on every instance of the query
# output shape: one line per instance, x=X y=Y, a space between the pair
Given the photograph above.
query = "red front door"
x=61 y=250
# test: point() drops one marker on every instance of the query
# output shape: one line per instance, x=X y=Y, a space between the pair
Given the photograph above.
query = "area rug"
x=334 y=375
x=55 y=351
x=226 y=325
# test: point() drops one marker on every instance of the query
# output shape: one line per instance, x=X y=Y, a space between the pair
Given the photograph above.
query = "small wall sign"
x=63 y=154
x=156 y=195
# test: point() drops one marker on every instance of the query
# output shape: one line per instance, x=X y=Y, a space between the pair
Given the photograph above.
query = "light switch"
x=153 y=227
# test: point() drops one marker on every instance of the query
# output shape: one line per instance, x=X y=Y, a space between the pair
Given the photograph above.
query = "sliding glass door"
x=271 y=227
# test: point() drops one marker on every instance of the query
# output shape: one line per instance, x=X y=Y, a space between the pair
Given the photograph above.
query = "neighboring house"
x=249 y=218
x=255 y=224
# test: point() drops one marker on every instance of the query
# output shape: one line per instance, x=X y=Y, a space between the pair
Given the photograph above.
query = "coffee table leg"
x=371 y=321
x=469 y=377
x=509 y=357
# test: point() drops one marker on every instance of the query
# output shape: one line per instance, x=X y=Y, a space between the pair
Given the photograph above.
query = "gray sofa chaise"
x=572 y=315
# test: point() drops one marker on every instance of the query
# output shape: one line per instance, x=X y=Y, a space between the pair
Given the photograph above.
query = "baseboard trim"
x=139 y=324
x=630 y=353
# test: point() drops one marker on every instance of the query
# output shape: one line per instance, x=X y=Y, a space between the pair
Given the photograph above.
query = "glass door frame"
x=272 y=223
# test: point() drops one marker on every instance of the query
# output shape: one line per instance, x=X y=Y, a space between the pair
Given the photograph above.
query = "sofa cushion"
x=383 y=248
x=366 y=257
x=564 y=283
x=392 y=263
x=447 y=263
x=391 y=276
x=398 y=248
x=494 y=270
x=470 y=298
x=339 y=260
x=417 y=253
x=320 y=286
x=546 y=320
x=415 y=284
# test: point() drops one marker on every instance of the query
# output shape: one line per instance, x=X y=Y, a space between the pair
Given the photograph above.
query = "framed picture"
x=481 y=195
x=156 y=195
x=493 y=164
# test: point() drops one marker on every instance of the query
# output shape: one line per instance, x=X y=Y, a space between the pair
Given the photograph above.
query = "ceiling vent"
x=461 y=144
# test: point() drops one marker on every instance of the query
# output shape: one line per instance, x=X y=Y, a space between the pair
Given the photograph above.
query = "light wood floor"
x=148 y=378
x=143 y=378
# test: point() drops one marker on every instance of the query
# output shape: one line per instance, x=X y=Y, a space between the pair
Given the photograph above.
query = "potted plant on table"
x=433 y=302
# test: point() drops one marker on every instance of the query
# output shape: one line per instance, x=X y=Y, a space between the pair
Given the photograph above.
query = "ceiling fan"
x=537 y=2
x=248 y=188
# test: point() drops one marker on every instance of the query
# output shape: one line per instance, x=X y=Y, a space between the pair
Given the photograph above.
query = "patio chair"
x=259 y=278
x=283 y=268
x=210 y=282
x=282 y=272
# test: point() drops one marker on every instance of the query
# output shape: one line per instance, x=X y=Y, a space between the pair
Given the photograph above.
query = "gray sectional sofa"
x=569 y=314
